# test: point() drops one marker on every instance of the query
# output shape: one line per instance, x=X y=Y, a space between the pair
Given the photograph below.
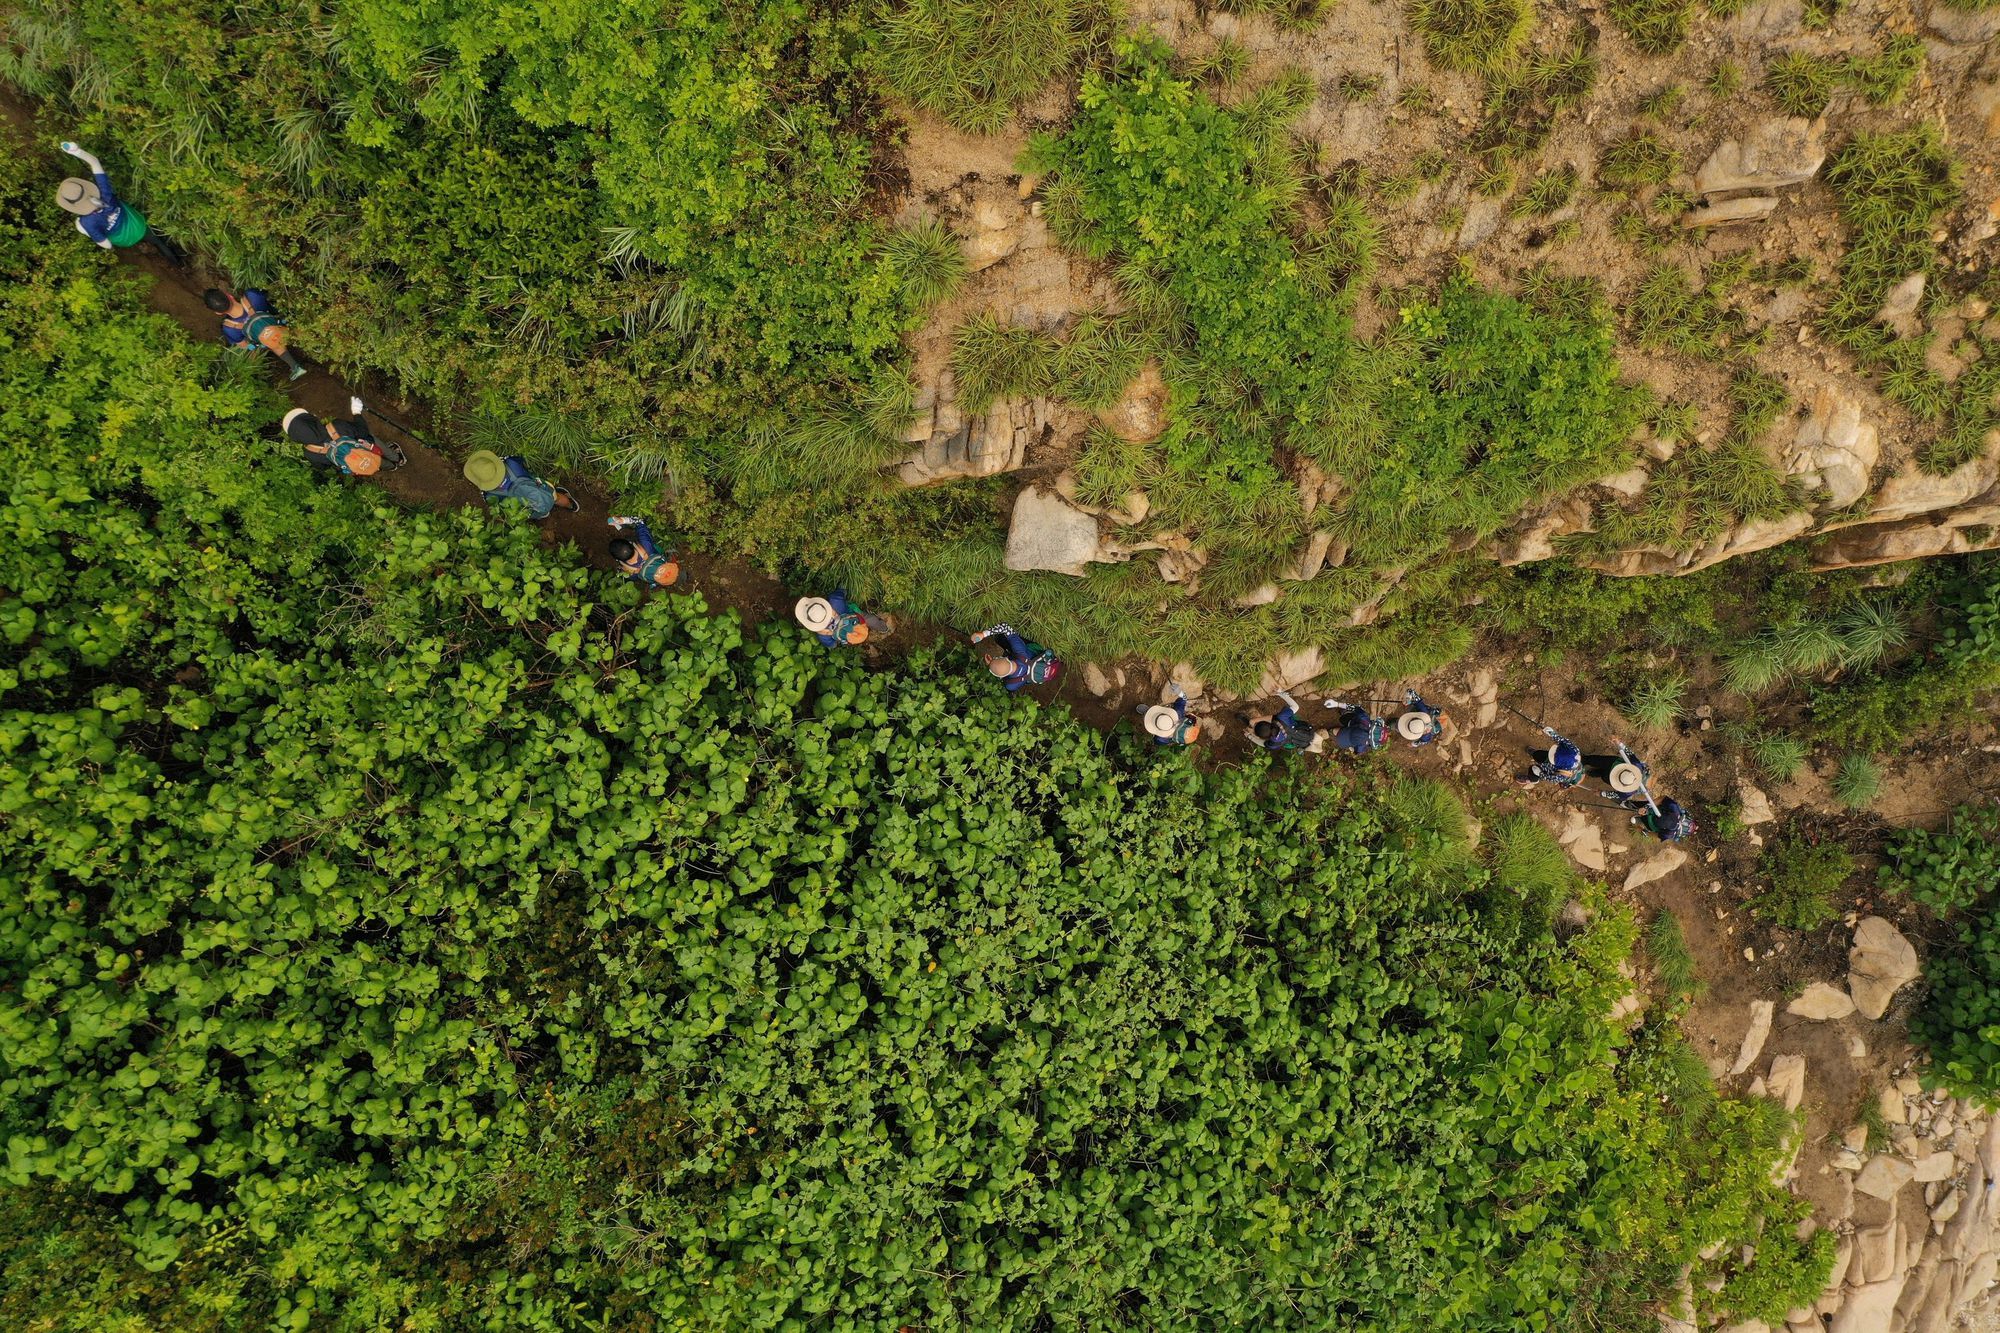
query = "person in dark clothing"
x=509 y=479
x=344 y=444
x=1562 y=765
x=1169 y=724
x=639 y=557
x=1358 y=731
x=1282 y=730
x=1423 y=723
x=1013 y=660
x=250 y=324
x=105 y=219
x=1667 y=821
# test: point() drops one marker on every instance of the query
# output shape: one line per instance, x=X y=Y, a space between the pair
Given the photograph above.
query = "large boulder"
x=1913 y=492
x=951 y=447
x=1786 y=150
x=1655 y=867
x=1880 y=963
x=1048 y=533
x=1836 y=449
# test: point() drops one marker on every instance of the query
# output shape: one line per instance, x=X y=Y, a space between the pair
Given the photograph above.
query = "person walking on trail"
x=837 y=622
x=509 y=479
x=1667 y=820
x=1169 y=724
x=1422 y=723
x=249 y=324
x=107 y=220
x=1283 y=730
x=638 y=556
x=1626 y=772
x=1013 y=660
x=1358 y=731
x=1562 y=765
x=343 y=444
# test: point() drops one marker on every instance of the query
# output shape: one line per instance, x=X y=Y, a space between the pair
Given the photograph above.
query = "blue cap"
x=1567 y=755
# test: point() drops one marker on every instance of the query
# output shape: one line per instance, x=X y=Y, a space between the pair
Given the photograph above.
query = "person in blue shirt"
x=509 y=479
x=1169 y=724
x=250 y=324
x=1422 y=724
x=1283 y=730
x=837 y=622
x=1360 y=731
x=1562 y=766
x=1667 y=821
x=638 y=556
x=1014 y=661
x=107 y=220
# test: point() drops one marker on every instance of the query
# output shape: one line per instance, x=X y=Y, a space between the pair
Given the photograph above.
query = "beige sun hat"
x=79 y=196
x=1626 y=778
x=1162 y=721
x=485 y=469
x=1414 y=726
x=815 y=613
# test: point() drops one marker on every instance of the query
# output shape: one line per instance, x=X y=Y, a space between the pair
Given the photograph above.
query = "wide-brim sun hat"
x=304 y=427
x=1414 y=726
x=1162 y=721
x=1626 y=778
x=364 y=462
x=815 y=613
x=484 y=469
x=79 y=196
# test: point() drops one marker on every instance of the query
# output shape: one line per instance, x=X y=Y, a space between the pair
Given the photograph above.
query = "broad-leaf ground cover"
x=404 y=925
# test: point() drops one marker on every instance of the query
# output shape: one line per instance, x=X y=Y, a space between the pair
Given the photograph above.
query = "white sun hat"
x=1414 y=726
x=1626 y=778
x=79 y=196
x=815 y=613
x=1162 y=721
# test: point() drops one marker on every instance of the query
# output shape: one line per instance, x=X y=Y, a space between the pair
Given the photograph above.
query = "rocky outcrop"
x=1291 y=669
x=1784 y=151
x=953 y=447
x=1836 y=448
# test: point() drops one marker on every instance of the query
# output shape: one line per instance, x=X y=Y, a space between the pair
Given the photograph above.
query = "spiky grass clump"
x=1656 y=701
x=1671 y=313
x=1802 y=83
x=990 y=359
x=1663 y=103
x=1472 y=34
x=973 y=61
x=1673 y=962
x=1098 y=357
x=927 y=260
x=1778 y=755
x=1656 y=27
x=1857 y=782
x=1637 y=160
x=1725 y=80
x=1548 y=191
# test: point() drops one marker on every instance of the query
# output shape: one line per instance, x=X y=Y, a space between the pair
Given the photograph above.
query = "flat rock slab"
x=1785 y=150
x=1821 y=1001
x=1754 y=1037
x=1884 y=1176
x=1787 y=1081
x=1881 y=963
x=1657 y=866
x=1047 y=533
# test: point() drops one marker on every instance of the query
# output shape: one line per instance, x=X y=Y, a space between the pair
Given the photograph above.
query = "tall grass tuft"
x=1857 y=782
x=990 y=359
x=927 y=260
x=1472 y=34
x=973 y=61
x=1673 y=963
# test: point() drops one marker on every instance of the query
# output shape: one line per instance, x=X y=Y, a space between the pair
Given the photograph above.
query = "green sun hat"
x=484 y=469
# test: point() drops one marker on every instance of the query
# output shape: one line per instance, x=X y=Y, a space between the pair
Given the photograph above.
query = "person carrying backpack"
x=1283 y=730
x=1667 y=821
x=106 y=220
x=1014 y=660
x=836 y=622
x=1359 y=732
x=638 y=555
x=509 y=479
x=250 y=324
x=1169 y=724
x=344 y=444
x=1422 y=724
x=1563 y=765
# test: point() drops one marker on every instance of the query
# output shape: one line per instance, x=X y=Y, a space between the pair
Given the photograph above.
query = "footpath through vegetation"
x=405 y=924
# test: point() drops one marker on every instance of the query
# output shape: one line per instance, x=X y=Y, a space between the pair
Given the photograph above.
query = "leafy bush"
x=408 y=927
x=1945 y=682
x=1951 y=869
x=1857 y=782
x=1802 y=878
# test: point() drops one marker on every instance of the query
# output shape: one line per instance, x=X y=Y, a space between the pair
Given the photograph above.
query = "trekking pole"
x=399 y=425
x=1545 y=728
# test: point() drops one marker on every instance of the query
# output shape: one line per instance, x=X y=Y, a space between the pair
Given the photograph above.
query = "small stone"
x=1749 y=954
x=1899 y=308
x=1755 y=806
x=1095 y=680
x=1754 y=1037
x=1787 y=1081
x=1732 y=212
x=1947 y=1207
x=1847 y=1159
x=1855 y=1138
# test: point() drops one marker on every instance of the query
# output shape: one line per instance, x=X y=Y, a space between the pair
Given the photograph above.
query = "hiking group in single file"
x=348 y=447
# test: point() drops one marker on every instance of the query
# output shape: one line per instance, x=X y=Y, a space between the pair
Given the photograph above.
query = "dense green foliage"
x=1959 y=663
x=1957 y=869
x=1802 y=876
x=973 y=61
x=1948 y=869
x=406 y=926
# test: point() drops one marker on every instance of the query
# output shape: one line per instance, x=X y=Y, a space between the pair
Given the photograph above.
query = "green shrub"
x=1952 y=869
x=1960 y=1009
x=973 y=61
x=1656 y=27
x=1636 y=160
x=1857 y=782
x=1471 y=34
x=1547 y=192
x=1780 y=756
x=1934 y=688
x=1802 y=879
x=1673 y=964
x=1656 y=701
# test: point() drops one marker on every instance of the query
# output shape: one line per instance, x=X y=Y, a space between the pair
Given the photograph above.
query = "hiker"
x=1667 y=821
x=1015 y=661
x=250 y=324
x=1422 y=724
x=1359 y=732
x=836 y=622
x=109 y=222
x=1562 y=766
x=1169 y=724
x=1282 y=730
x=509 y=479
x=1626 y=772
x=638 y=555
x=344 y=444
